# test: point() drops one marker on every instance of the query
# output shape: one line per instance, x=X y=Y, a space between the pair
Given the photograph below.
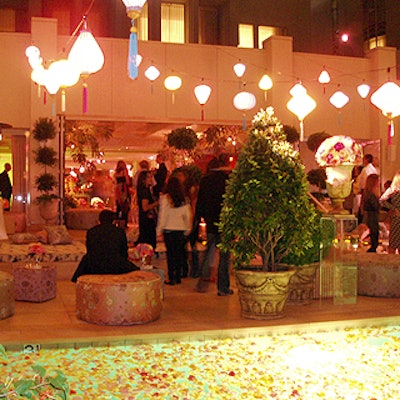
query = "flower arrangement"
x=142 y=250
x=36 y=249
x=338 y=150
x=35 y=252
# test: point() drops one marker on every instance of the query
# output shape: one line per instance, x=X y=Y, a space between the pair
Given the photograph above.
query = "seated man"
x=106 y=249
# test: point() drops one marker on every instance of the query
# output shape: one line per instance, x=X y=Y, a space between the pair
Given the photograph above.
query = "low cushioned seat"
x=35 y=285
x=6 y=295
x=379 y=275
x=126 y=299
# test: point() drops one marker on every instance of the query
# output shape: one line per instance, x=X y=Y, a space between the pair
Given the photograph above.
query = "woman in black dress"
x=123 y=185
x=148 y=207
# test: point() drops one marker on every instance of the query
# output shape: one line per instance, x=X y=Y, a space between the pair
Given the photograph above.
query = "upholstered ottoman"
x=6 y=295
x=379 y=275
x=126 y=299
x=35 y=284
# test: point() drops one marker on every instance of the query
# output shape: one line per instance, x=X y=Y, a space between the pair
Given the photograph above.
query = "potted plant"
x=266 y=213
x=45 y=156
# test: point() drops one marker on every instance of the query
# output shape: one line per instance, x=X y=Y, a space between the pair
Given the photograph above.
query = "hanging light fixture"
x=265 y=84
x=339 y=100
x=244 y=101
x=152 y=73
x=387 y=99
x=133 y=10
x=301 y=104
x=324 y=78
x=88 y=57
x=239 y=69
x=173 y=83
x=66 y=74
x=202 y=93
x=363 y=90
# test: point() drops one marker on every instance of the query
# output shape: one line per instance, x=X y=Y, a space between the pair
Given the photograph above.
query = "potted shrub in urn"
x=48 y=202
x=267 y=213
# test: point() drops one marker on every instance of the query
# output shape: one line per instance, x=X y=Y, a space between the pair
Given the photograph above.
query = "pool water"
x=348 y=364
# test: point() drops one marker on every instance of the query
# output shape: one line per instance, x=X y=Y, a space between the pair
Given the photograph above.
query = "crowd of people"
x=377 y=212
x=168 y=207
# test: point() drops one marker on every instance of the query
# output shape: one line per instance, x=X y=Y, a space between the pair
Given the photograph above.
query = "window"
x=264 y=32
x=246 y=36
x=374 y=24
x=143 y=24
x=7 y=20
x=172 y=23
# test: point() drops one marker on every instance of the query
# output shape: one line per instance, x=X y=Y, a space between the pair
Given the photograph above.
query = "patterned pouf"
x=35 y=284
x=6 y=295
x=126 y=299
x=379 y=275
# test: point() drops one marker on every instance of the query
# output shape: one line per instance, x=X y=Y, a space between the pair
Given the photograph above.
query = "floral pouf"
x=351 y=364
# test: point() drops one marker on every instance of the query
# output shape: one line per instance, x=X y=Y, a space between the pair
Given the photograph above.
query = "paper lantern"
x=363 y=90
x=265 y=84
x=202 y=93
x=387 y=99
x=244 y=101
x=339 y=99
x=301 y=104
x=172 y=83
x=88 y=57
x=239 y=69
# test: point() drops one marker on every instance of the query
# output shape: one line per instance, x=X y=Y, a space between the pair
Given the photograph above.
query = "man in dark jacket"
x=106 y=249
x=208 y=206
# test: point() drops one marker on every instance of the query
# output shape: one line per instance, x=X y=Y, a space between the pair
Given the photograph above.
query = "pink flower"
x=37 y=249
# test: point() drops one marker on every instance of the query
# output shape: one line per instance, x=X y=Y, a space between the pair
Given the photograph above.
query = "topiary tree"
x=266 y=208
x=45 y=156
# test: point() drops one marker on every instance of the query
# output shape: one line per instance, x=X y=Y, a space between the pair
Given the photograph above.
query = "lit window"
x=379 y=41
x=7 y=20
x=264 y=32
x=172 y=23
x=143 y=24
x=246 y=36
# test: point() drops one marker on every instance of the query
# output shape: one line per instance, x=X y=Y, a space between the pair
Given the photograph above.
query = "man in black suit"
x=5 y=185
x=106 y=249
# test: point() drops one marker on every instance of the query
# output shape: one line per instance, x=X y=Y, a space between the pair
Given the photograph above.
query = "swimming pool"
x=348 y=364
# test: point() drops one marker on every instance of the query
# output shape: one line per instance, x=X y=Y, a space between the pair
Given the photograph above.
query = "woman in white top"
x=174 y=222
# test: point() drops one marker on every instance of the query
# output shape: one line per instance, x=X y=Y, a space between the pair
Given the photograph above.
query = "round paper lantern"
x=239 y=69
x=172 y=82
x=244 y=101
x=202 y=93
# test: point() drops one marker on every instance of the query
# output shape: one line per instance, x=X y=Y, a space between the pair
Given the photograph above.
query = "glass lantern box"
x=338 y=259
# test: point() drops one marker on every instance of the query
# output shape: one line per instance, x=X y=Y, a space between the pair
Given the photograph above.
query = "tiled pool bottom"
x=348 y=364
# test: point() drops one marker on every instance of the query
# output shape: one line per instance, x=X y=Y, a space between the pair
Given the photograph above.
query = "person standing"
x=174 y=223
x=148 y=209
x=367 y=169
x=123 y=184
x=106 y=249
x=5 y=186
x=209 y=204
x=160 y=176
x=390 y=200
x=370 y=206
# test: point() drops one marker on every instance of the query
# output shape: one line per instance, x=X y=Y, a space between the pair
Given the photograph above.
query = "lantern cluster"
x=85 y=58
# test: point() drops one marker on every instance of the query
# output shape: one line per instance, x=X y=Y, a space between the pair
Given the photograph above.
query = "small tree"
x=266 y=208
x=44 y=130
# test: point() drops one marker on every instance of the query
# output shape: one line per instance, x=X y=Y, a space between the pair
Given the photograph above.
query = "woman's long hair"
x=141 y=182
x=175 y=192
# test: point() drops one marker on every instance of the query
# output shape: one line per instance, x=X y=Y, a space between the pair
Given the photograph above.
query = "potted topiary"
x=267 y=213
x=48 y=202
